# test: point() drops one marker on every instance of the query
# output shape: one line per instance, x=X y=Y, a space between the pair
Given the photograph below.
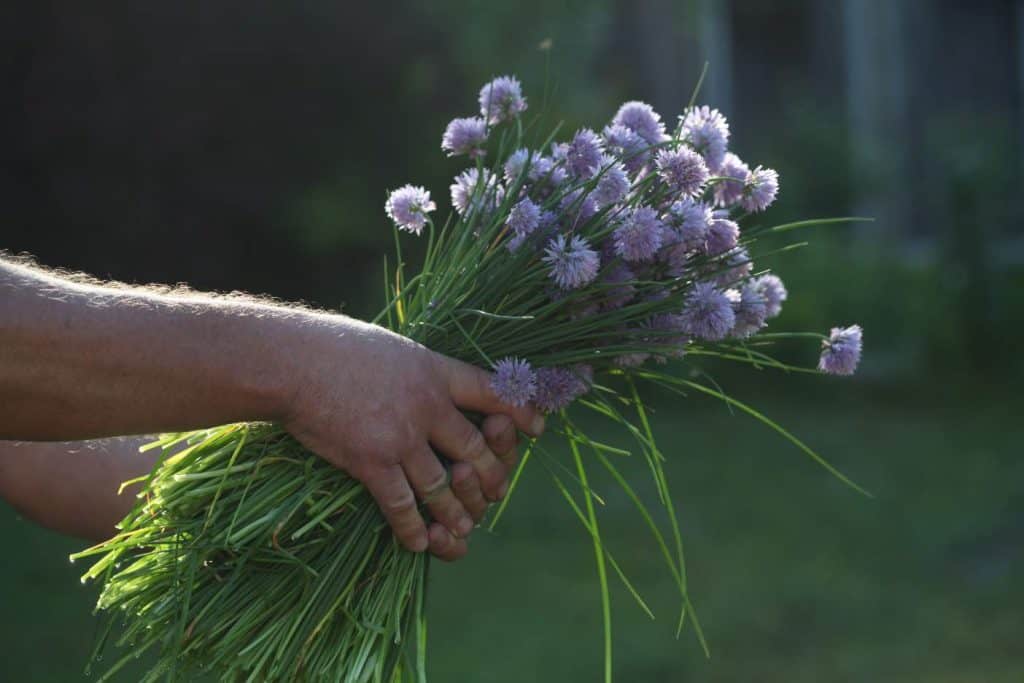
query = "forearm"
x=82 y=361
x=72 y=487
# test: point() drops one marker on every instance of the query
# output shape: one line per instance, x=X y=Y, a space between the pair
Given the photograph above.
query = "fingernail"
x=420 y=543
x=465 y=527
x=537 y=426
x=503 y=491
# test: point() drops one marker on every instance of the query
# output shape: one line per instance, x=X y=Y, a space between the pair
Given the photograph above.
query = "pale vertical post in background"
x=714 y=39
x=876 y=104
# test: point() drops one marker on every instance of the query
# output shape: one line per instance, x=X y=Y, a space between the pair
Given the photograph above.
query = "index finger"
x=470 y=389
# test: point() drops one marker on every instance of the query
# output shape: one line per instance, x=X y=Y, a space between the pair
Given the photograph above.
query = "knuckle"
x=397 y=503
x=473 y=444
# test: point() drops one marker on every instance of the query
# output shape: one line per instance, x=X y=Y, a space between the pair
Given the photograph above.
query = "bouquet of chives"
x=574 y=270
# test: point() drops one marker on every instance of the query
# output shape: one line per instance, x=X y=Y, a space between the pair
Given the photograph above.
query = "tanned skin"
x=82 y=361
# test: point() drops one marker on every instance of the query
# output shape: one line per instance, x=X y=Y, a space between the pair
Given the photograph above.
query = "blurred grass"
x=796 y=577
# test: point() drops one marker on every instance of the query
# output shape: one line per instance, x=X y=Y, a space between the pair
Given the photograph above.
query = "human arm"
x=85 y=360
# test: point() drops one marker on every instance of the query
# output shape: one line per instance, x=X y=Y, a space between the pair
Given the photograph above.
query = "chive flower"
x=840 y=353
x=723 y=235
x=707 y=131
x=523 y=217
x=408 y=207
x=625 y=144
x=762 y=186
x=514 y=381
x=683 y=171
x=502 y=100
x=558 y=387
x=639 y=237
x=465 y=136
x=774 y=293
x=729 y=192
x=613 y=185
x=641 y=118
x=583 y=154
x=707 y=313
x=573 y=263
x=751 y=310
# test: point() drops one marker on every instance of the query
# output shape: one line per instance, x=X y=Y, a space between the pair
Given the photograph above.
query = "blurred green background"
x=250 y=145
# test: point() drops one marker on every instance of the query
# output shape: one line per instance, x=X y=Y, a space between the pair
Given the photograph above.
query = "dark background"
x=250 y=145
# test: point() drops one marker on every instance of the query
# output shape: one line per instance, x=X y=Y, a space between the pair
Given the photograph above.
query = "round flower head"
x=762 y=186
x=465 y=136
x=408 y=207
x=583 y=155
x=502 y=100
x=683 y=170
x=707 y=313
x=626 y=145
x=639 y=237
x=751 y=310
x=573 y=263
x=707 y=131
x=466 y=193
x=558 y=387
x=691 y=220
x=514 y=381
x=723 y=235
x=546 y=175
x=613 y=184
x=773 y=292
x=515 y=164
x=577 y=207
x=729 y=192
x=840 y=353
x=640 y=118
x=524 y=217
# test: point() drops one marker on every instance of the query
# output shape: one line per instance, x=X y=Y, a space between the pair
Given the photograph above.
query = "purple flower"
x=751 y=310
x=514 y=381
x=723 y=235
x=546 y=175
x=691 y=220
x=729 y=192
x=577 y=207
x=683 y=170
x=639 y=237
x=774 y=293
x=707 y=131
x=622 y=291
x=515 y=164
x=408 y=207
x=583 y=155
x=502 y=100
x=523 y=217
x=558 y=387
x=840 y=353
x=573 y=263
x=626 y=145
x=762 y=186
x=613 y=184
x=466 y=193
x=465 y=136
x=707 y=313
x=640 y=118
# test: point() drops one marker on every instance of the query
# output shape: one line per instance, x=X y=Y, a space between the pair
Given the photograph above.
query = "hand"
x=378 y=405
